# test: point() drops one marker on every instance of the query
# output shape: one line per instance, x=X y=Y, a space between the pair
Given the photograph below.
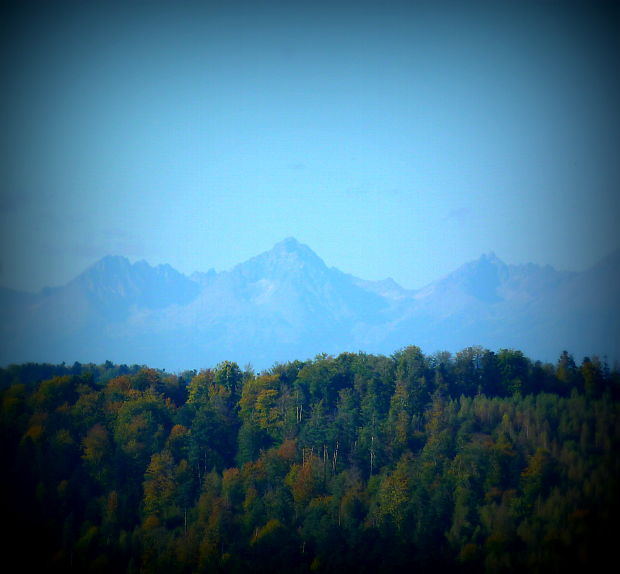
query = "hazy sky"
x=395 y=139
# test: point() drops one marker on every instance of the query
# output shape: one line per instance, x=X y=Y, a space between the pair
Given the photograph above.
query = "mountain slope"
x=536 y=309
x=286 y=303
x=113 y=285
x=281 y=304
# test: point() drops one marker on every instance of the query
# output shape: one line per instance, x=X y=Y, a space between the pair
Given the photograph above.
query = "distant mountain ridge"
x=113 y=283
x=286 y=304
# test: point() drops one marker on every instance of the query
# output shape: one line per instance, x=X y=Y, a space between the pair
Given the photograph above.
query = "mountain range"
x=288 y=304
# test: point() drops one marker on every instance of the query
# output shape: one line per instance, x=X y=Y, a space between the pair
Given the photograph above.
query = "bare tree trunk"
x=335 y=459
x=372 y=453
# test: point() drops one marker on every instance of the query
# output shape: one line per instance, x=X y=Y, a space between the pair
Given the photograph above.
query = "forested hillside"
x=480 y=461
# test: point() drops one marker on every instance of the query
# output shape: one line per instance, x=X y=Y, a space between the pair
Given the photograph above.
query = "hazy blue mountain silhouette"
x=113 y=285
x=287 y=304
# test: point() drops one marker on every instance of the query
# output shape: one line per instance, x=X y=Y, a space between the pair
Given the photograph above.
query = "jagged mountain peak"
x=286 y=259
x=108 y=263
x=113 y=284
x=289 y=244
x=111 y=272
x=290 y=248
x=116 y=266
x=486 y=260
x=479 y=279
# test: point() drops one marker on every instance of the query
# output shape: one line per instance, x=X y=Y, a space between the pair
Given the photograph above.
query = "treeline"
x=480 y=461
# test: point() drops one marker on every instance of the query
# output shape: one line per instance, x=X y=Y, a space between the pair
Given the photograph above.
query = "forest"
x=477 y=461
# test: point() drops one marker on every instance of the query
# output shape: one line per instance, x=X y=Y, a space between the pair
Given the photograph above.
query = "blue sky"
x=395 y=139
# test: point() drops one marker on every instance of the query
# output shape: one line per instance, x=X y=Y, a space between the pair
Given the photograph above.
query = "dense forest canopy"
x=478 y=461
